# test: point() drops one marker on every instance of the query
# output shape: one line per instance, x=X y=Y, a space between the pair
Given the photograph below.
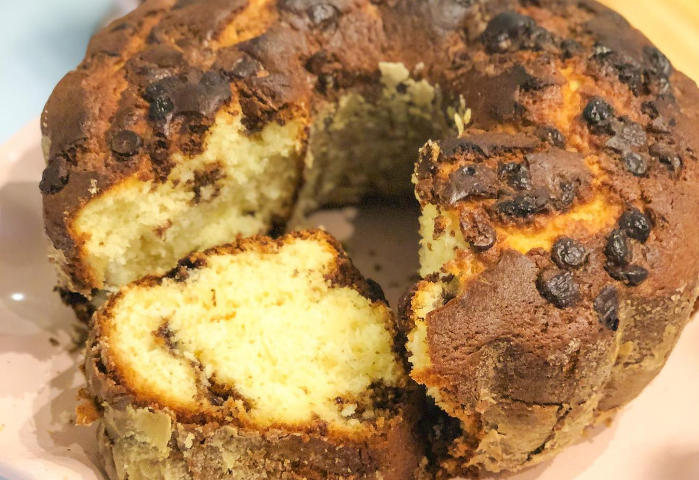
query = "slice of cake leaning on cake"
x=265 y=359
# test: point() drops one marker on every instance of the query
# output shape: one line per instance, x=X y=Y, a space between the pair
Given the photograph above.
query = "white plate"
x=656 y=437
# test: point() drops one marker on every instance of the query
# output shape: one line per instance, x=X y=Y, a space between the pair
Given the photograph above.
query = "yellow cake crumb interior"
x=266 y=324
x=139 y=228
x=441 y=253
x=583 y=219
x=242 y=182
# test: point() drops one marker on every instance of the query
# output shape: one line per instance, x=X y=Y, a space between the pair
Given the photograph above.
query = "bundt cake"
x=556 y=179
x=262 y=359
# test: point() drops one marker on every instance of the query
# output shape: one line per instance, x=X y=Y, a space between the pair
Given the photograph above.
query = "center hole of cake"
x=382 y=238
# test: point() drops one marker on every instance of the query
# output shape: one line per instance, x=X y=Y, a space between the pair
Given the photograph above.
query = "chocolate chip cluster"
x=55 y=176
x=629 y=139
x=522 y=175
x=557 y=284
x=510 y=31
x=633 y=225
x=559 y=287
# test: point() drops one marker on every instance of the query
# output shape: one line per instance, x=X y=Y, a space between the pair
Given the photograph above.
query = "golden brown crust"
x=214 y=451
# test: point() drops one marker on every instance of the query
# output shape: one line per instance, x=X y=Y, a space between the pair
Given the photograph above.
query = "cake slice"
x=261 y=359
x=513 y=329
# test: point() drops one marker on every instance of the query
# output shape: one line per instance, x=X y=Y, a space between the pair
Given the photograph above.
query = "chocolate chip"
x=181 y=272
x=478 y=232
x=636 y=225
x=503 y=27
x=606 y=306
x=160 y=109
x=631 y=275
x=214 y=80
x=672 y=161
x=598 y=111
x=660 y=64
x=667 y=157
x=636 y=164
x=374 y=291
x=565 y=196
x=558 y=287
x=322 y=15
x=244 y=67
x=635 y=275
x=161 y=88
x=618 y=249
x=568 y=253
x=203 y=98
x=55 y=176
x=650 y=109
x=627 y=134
x=600 y=51
x=552 y=135
x=524 y=205
x=126 y=143
x=516 y=175
x=470 y=181
x=506 y=31
x=631 y=132
x=570 y=47
x=631 y=75
x=562 y=174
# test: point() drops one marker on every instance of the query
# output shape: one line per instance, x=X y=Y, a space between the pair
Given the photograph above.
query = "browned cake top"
x=152 y=82
x=628 y=128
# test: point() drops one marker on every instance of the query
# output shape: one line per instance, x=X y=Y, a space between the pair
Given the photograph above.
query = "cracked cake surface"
x=556 y=175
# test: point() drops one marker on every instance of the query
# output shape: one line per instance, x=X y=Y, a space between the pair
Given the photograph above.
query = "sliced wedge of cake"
x=261 y=359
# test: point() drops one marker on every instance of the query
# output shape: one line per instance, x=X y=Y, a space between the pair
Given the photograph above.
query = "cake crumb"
x=349 y=410
x=93 y=187
x=65 y=417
